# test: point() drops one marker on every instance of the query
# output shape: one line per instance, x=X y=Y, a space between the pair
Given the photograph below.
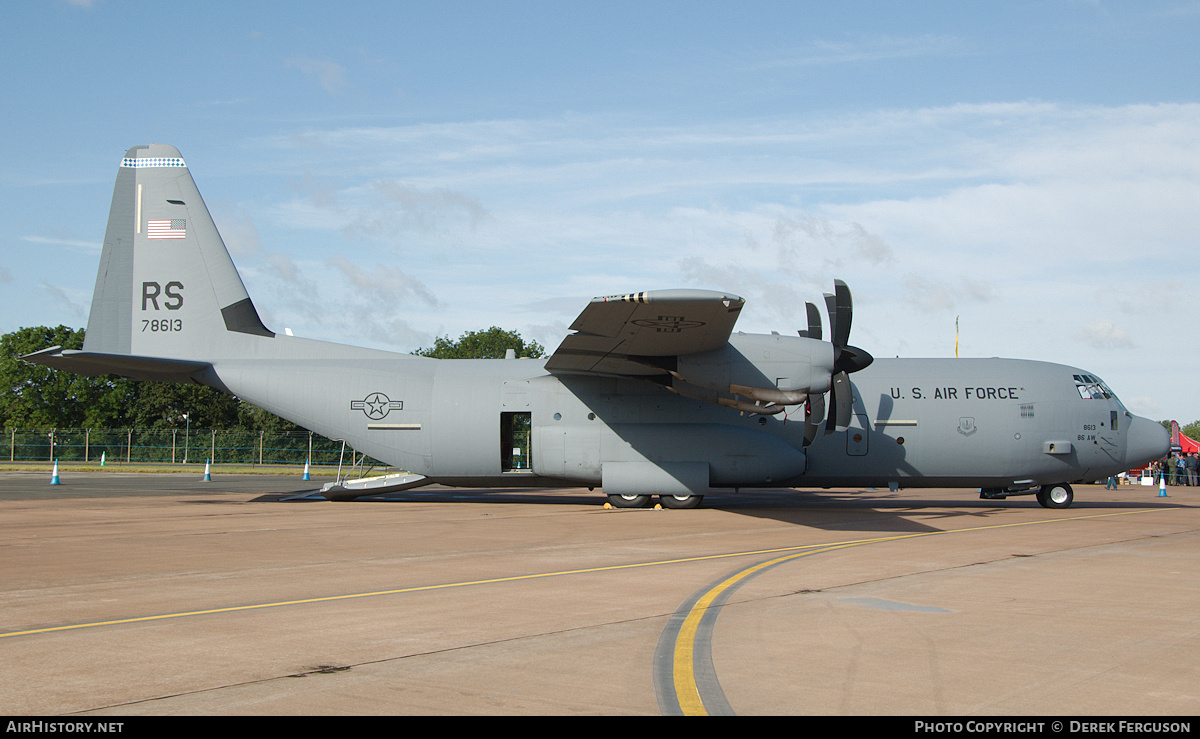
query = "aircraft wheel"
x=1056 y=496
x=628 y=501
x=680 y=501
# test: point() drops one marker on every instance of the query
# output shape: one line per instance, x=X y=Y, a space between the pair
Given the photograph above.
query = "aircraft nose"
x=1148 y=441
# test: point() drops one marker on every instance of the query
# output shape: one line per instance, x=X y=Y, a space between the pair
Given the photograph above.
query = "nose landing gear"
x=1056 y=496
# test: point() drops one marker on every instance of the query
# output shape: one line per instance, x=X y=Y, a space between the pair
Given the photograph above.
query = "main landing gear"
x=1050 y=496
x=644 y=501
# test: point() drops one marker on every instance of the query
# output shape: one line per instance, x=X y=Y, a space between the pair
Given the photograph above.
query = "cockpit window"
x=1091 y=387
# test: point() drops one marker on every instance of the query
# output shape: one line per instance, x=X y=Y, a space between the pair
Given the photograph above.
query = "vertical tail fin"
x=166 y=286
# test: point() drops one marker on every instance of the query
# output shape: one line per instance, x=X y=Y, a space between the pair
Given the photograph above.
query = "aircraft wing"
x=620 y=334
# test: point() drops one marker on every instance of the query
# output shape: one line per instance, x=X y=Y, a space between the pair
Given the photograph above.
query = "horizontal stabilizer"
x=135 y=368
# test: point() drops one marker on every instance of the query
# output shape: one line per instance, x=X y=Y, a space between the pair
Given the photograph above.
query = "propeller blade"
x=812 y=419
x=839 y=414
x=832 y=308
x=831 y=416
x=843 y=397
x=814 y=322
x=839 y=333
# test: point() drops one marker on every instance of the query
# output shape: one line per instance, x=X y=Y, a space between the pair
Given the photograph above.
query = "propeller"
x=846 y=359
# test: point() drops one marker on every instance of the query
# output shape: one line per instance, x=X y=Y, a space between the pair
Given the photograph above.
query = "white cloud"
x=1144 y=405
x=823 y=52
x=93 y=246
x=387 y=284
x=401 y=207
x=74 y=303
x=1105 y=334
x=801 y=239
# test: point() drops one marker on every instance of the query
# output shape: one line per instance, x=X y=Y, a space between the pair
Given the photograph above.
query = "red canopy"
x=1187 y=444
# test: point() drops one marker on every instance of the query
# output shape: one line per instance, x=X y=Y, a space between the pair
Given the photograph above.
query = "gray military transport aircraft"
x=653 y=394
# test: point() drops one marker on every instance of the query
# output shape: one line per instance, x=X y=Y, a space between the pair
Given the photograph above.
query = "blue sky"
x=384 y=173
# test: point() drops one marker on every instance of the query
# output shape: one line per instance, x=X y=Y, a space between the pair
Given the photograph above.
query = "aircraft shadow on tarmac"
x=834 y=510
x=851 y=511
x=526 y=496
x=889 y=512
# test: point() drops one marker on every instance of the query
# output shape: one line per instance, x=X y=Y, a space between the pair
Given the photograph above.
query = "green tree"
x=162 y=405
x=1192 y=430
x=35 y=396
x=253 y=417
x=489 y=344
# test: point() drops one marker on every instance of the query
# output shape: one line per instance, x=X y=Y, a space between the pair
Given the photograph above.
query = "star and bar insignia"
x=376 y=405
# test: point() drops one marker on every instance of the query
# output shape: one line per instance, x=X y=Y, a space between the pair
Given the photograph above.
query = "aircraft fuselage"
x=987 y=423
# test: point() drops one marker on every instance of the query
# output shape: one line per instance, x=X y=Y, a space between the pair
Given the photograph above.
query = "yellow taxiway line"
x=687 y=692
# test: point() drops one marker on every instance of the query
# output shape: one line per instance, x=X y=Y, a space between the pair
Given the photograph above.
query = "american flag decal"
x=164 y=228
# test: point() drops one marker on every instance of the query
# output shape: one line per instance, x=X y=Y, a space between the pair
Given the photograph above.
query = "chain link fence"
x=160 y=446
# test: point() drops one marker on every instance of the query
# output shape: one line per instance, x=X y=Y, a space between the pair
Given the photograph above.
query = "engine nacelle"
x=767 y=369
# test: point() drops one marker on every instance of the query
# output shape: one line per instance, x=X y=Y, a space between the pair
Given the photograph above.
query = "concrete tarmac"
x=125 y=594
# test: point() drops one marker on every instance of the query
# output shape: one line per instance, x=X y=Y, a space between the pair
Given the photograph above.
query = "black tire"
x=628 y=501
x=1056 y=496
x=680 y=501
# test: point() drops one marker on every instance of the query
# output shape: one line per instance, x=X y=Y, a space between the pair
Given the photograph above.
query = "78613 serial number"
x=159 y=325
